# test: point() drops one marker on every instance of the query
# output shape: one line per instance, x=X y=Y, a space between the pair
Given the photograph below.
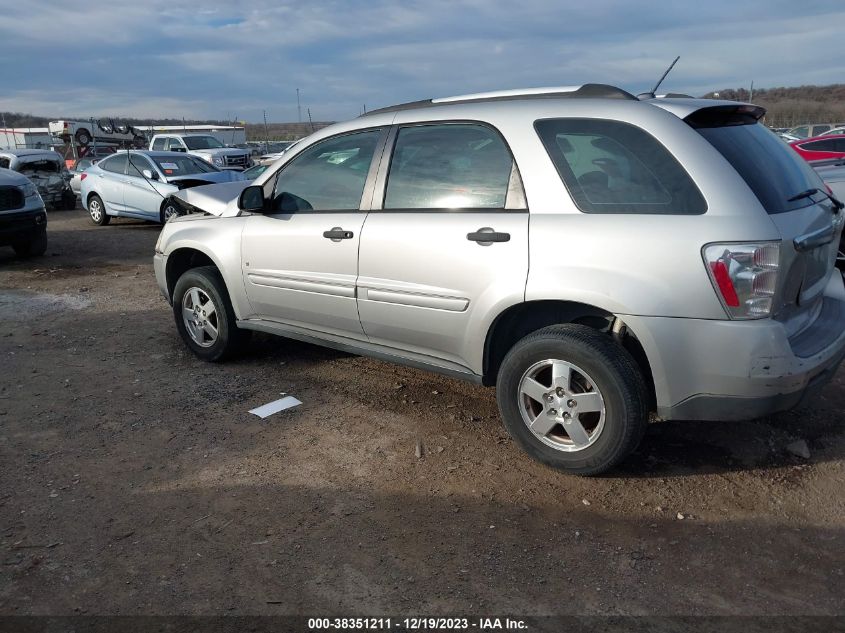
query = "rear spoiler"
x=726 y=115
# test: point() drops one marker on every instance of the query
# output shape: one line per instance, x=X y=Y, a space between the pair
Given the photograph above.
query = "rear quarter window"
x=616 y=167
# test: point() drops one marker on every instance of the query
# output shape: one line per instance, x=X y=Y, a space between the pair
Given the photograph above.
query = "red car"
x=820 y=147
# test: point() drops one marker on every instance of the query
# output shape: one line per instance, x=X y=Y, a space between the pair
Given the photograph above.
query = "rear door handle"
x=486 y=236
x=337 y=234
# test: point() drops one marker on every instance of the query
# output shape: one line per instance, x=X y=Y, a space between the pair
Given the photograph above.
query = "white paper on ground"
x=274 y=407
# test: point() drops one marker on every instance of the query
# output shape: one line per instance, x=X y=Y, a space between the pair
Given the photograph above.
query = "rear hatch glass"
x=774 y=171
x=778 y=175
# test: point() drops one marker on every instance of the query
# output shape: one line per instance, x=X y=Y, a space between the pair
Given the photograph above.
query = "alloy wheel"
x=200 y=317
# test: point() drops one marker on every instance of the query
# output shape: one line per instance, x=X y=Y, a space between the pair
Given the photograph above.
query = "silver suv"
x=594 y=256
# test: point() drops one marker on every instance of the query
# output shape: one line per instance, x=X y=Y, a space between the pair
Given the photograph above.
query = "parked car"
x=80 y=166
x=820 y=147
x=835 y=131
x=681 y=259
x=833 y=174
x=138 y=184
x=23 y=219
x=203 y=146
x=46 y=170
x=809 y=130
x=85 y=132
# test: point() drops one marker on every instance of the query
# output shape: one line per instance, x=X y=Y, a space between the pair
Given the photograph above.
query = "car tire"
x=169 y=210
x=33 y=247
x=97 y=211
x=83 y=137
x=840 y=255
x=211 y=334
x=68 y=200
x=563 y=367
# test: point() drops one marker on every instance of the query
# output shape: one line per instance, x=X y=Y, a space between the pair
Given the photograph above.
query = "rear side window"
x=774 y=171
x=448 y=166
x=158 y=144
x=826 y=145
x=616 y=167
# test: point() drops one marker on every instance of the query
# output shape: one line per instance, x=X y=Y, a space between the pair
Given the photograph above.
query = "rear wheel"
x=204 y=315
x=83 y=136
x=97 y=211
x=573 y=398
x=34 y=246
x=840 y=255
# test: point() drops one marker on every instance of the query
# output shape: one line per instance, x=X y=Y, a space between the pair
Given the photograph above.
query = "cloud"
x=168 y=58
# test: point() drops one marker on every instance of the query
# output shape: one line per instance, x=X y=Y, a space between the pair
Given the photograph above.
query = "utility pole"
x=298 y=107
x=751 y=92
x=266 y=134
x=6 y=132
x=310 y=121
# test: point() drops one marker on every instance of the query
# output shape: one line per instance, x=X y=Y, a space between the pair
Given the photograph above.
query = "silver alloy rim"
x=561 y=405
x=95 y=210
x=170 y=212
x=200 y=317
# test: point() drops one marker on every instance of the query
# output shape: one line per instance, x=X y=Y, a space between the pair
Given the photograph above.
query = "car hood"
x=10 y=177
x=220 y=199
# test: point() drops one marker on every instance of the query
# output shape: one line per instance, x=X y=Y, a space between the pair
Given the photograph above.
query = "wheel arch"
x=183 y=259
x=520 y=320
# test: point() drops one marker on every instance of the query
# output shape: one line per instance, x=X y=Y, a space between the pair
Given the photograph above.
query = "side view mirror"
x=251 y=199
x=149 y=174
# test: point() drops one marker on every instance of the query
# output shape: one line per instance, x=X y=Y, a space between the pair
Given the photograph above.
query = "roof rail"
x=587 y=91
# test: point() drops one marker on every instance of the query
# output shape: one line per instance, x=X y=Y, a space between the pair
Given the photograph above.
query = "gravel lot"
x=133 y=480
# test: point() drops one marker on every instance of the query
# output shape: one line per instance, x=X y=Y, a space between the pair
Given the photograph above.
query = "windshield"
x=202 y=142
x=182 y=165
x=774 y=171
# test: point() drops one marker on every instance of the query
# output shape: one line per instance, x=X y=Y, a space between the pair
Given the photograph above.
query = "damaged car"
x=138 y=184
x=46 y=170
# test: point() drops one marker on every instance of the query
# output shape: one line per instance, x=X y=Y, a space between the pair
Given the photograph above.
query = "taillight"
x=83 y=176
x=745 y=276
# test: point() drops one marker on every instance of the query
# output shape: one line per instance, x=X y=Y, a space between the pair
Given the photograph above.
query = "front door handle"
x=337 y=234
x=486 y=236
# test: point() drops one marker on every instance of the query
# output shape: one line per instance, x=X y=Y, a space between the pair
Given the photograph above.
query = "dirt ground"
x=133 y=480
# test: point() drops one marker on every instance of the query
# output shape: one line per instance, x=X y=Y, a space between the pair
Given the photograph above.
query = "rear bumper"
x=738 y=370
x=17 y=225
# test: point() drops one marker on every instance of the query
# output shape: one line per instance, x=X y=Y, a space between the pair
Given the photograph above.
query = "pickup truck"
x=203 y=146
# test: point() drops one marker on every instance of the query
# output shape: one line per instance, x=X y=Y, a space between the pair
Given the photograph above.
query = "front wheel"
x=204 y=315
x=169 y=210
x=573 y=398
x=840 y=255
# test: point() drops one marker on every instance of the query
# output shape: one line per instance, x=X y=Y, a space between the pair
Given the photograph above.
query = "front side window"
x=801 y=132
x=137 y=164
x=448 y=166
x=818 y=130
x=616 y=167
x=116 y=164
x=158 y=144
x=329 y=176
x=174 y=144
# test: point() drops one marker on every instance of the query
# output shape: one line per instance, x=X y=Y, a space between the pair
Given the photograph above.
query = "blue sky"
x=225 y=59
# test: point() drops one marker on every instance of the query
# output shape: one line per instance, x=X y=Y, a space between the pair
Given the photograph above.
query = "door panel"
x=295 y=275
x=300 y=260
x=428 y=280
x=405 y=263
